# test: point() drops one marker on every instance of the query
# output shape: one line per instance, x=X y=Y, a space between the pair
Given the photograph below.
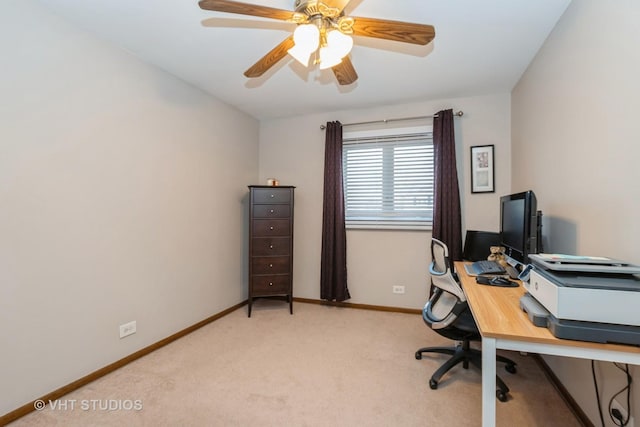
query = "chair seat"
x=464 y=329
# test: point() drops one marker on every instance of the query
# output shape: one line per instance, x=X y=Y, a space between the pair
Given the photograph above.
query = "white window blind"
x=388 y=179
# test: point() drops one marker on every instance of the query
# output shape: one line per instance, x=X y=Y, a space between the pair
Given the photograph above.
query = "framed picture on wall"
x=482 y=173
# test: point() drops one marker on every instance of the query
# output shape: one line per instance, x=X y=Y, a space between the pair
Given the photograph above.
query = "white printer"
x=584 y=298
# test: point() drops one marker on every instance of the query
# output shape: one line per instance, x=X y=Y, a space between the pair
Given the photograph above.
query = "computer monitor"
x=519 y=225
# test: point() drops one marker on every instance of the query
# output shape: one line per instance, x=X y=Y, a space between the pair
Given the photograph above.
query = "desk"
x=504 y=325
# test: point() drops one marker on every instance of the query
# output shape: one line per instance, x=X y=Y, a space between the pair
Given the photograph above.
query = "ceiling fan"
x=323 y=34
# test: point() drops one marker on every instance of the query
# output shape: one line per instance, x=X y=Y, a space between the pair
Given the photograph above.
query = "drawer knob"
x=270 y=246
x=271 y=211
x=273 y=195
x=271 y=228
x=270 y=265
x=270 y=283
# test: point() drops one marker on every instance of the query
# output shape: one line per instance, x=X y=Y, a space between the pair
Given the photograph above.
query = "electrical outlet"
x=398 y=289
x=127 y=329
x=616 y=405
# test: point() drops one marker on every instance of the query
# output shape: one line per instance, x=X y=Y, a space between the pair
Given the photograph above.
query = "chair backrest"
x=447 y=300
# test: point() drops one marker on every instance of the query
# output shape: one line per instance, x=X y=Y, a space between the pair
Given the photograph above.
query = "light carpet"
x=321 y=366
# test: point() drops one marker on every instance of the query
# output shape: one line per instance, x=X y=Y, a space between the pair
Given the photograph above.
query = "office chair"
x=447 y=313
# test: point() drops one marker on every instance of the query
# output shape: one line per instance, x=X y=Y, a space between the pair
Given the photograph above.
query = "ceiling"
x=481 y=47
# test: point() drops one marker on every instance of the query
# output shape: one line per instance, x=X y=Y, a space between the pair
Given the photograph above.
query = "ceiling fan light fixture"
x=323 y=31
x=307 y=37
x=338 y=45
x=328 y=58
x=301 y=55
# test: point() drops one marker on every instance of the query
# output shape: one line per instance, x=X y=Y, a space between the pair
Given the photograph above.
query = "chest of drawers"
x=271 y=243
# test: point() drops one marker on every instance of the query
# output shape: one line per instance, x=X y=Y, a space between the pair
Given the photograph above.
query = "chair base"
x=464 y=354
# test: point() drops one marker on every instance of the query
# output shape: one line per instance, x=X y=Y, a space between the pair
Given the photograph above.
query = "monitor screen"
x=519 y=225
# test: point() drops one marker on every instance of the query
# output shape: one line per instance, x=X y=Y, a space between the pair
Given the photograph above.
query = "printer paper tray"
x=594 y=332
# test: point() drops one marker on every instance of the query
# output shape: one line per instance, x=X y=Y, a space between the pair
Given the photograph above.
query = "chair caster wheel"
x=433 y=384
x=418 y=355
x=501 y=395
x=510 y=368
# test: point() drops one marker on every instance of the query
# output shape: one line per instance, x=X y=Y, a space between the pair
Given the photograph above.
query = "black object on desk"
x=477 y=244
x=496 y=281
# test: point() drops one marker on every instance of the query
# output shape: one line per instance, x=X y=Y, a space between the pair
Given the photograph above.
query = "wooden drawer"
x=271 y=211
x=270 y=265
x=271 y=195
x=271 y=227
x=270 y=246
x=268 y=285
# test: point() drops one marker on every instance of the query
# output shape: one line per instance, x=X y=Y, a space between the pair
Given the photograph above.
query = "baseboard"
x=564 y=393
x=56 y=394
x=359 y=306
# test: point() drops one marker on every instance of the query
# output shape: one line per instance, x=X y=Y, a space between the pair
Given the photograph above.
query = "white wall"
x=117 y=203
x=292 y=150
x=575 y=142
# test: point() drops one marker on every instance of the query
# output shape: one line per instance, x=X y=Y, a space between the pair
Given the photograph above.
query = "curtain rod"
x=456 y=114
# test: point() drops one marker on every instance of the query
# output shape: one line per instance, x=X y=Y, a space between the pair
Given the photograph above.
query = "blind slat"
x=389 y=177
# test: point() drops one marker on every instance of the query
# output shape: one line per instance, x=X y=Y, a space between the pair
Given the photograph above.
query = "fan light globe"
x=328 y=58
x=301 y=55
x=339 y=43
x=306 y=38
x=338 y=46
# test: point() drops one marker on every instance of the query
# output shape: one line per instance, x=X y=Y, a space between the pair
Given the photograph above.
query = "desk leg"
x=488 y=382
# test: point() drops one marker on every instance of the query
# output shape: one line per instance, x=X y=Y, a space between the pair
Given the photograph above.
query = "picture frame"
x=482 y=169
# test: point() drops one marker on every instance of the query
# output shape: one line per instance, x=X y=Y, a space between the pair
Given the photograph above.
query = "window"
x=388 y=178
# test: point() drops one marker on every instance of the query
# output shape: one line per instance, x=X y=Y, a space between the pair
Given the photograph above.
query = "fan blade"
x=393 y=30
x=270 y=59
x=245 y=9
x=344 y=72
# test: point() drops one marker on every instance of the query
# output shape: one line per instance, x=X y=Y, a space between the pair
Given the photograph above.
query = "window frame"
x=350 y=138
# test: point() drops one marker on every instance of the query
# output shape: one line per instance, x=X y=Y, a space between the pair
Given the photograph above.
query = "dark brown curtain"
x=333 y=267
x=446 y=204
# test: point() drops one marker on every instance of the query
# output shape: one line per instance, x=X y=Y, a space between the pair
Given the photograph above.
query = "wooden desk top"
x=498 y=315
